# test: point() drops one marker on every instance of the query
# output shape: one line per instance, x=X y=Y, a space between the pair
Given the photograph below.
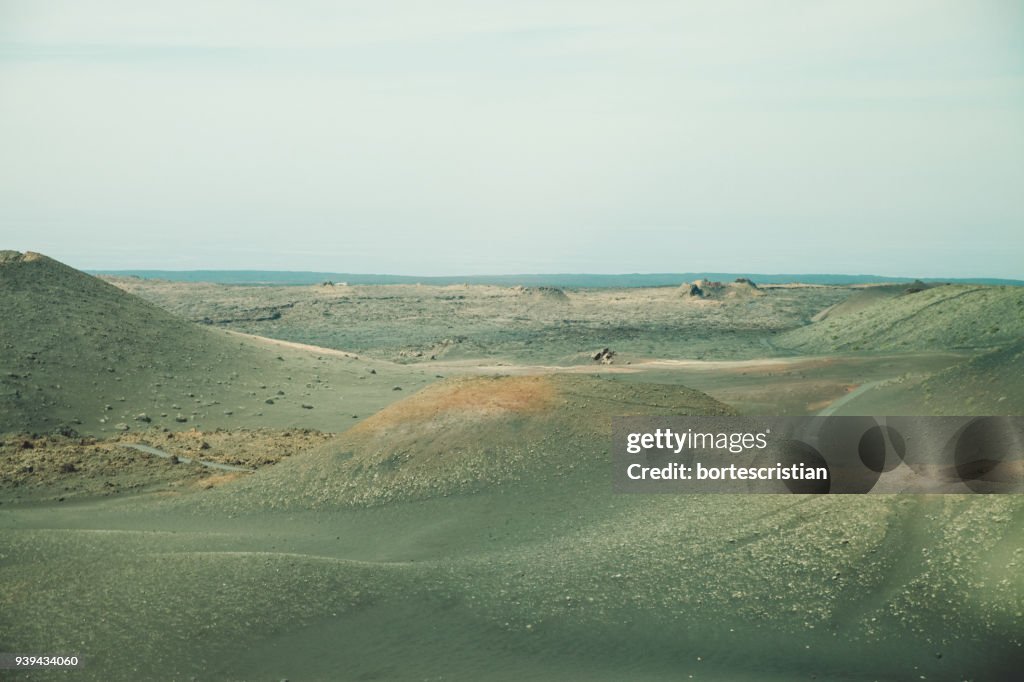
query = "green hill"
x=942 y=318
x=464 y=435
x=80 y=354
x=989 y=384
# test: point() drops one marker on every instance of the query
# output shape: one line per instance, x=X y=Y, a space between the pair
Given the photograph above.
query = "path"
x=185 y=460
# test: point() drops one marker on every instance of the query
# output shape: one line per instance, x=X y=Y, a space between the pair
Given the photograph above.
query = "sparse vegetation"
x=465 y=526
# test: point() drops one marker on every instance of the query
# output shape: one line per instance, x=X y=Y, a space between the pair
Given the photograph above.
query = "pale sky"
x=444 y=138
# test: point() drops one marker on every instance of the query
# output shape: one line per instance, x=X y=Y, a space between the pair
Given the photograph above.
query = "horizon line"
x=737 y=273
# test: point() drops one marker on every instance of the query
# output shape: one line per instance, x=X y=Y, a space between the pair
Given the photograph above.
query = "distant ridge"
x=945 y=318
x=300 y=278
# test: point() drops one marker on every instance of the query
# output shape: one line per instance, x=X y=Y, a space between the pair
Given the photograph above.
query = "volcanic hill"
x=463 y=435
x=81 y=355
x=943 y=318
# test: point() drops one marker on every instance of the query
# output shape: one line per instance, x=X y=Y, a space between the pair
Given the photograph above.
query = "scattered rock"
x=742 y=288
x=307 y=406
x=915 y=287
x=142 y=417
x=396 y=388
x=604 y=356
x=121 y=426
x=544 y=293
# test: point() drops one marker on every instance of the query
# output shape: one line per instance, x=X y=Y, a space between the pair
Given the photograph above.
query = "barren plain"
x=417 y=483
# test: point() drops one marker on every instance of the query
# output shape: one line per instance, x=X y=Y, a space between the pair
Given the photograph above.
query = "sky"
x=536 y=136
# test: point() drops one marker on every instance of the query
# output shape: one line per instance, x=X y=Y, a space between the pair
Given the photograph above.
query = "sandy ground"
x=508 y=324
x=465 y=529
